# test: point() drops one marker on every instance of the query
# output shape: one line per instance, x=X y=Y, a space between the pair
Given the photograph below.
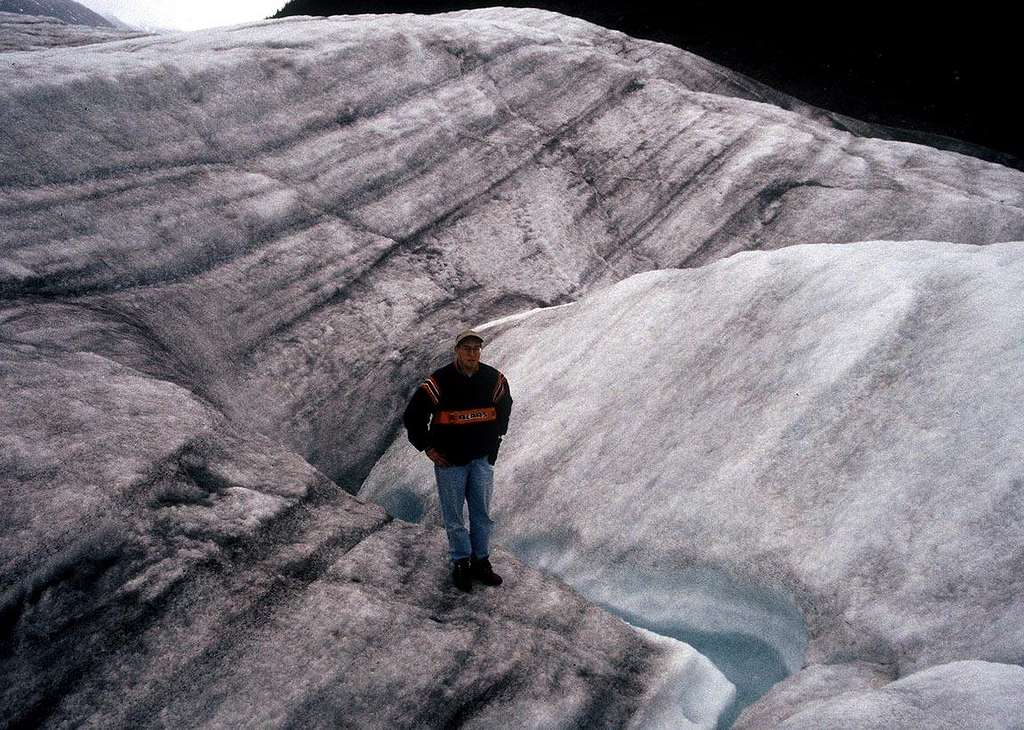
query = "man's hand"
x=435 y=456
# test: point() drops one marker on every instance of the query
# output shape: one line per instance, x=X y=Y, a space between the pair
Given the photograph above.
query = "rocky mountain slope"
x=67 y=11
x=225 y=259
x=33 y=33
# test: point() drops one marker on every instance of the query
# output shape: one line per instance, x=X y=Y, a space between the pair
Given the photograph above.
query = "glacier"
x=226 y=256
x=835 y=422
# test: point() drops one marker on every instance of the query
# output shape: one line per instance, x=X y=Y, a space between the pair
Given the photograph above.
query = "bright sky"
x=185 y=14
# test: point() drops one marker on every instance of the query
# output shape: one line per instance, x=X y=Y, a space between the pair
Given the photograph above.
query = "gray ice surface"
x=226 y=258
x=163 y=567
x=838 y=424
x=293 y=212
x=965 y=694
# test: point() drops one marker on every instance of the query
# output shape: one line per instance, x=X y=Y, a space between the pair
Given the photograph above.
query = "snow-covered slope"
x=293 y=210
x=161 y=567
x=967 y=694
x=226 y=254
x=841 y=423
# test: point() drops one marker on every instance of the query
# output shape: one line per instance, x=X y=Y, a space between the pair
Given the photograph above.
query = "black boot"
x=462 y=575
x=482 y=572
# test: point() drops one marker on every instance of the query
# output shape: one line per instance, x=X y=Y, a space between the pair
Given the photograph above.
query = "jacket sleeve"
x=417 y=418
x=502 y=404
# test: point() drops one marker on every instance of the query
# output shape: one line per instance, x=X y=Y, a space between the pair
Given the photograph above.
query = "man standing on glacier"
x=458 y=416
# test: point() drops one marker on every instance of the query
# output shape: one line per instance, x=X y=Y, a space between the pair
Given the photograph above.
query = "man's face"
x=468 y=353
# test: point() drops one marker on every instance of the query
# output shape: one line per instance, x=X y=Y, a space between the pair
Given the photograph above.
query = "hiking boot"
x=482 y=572
x=462 y=575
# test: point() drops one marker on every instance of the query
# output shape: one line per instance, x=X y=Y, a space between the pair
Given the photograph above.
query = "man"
x=467 y=405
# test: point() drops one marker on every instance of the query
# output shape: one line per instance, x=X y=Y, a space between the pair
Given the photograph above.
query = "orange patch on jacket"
x=466 y=417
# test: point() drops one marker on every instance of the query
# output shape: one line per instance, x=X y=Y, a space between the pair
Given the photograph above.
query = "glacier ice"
x=835 y=423
x=213 y=244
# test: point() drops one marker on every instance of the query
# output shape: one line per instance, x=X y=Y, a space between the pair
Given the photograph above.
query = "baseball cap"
x=466 y=334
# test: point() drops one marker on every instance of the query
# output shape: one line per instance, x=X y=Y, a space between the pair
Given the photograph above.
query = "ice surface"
x=224 y=251
x=287 y=214
x=692 y=694
x=161 y=566
x=812 y=683
x=838 y=424
x=967 y=694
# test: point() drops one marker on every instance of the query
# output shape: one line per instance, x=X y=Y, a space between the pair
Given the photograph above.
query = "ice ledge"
x=690 y=693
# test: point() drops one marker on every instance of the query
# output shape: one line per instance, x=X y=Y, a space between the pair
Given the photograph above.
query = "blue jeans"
x=470 y=484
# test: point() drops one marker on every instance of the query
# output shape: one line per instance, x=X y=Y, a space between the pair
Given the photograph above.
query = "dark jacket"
x=467 y=415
